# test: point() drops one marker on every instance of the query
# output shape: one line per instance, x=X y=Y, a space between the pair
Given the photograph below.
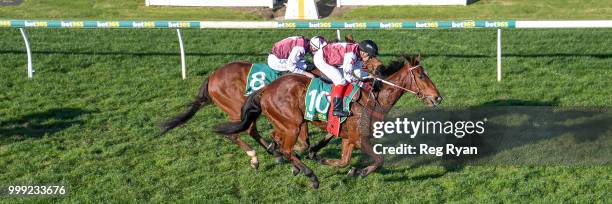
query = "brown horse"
x=283 y=103
x=225 y=88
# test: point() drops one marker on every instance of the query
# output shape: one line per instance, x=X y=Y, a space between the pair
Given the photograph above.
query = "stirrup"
x=341 y=113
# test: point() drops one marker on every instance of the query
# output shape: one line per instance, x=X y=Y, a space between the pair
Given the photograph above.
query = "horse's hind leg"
x=297 y=163
x=303 y=142
x=287 y=150
x=255 y=135
x=235 y=138
x=270 y=148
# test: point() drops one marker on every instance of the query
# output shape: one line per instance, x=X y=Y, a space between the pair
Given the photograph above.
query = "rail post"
x=499 y=55
x=24 y=34
x=183 y=67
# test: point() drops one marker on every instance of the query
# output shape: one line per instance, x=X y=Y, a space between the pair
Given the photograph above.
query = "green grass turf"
x=483 y=9
x=89 y=117
x=490 y=9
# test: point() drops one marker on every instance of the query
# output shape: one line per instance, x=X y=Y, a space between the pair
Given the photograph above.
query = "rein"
x=413 y=80
x=393 y=85
x=380 y=115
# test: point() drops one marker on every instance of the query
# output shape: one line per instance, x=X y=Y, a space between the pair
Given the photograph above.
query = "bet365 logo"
x=430 y=24
x=496 y=24
x=463 y=24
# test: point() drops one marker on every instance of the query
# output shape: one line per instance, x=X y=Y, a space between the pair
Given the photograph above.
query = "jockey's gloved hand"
x=361 y=74
x=310 y=67
x=367 y=78
x=349 y=77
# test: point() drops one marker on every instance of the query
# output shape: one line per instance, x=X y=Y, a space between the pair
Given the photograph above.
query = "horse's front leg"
x=378 y=159
x=347 y=151
x=314 y=150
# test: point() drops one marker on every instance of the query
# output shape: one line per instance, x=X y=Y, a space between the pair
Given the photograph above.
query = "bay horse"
x=282 y=101
x=225 y=87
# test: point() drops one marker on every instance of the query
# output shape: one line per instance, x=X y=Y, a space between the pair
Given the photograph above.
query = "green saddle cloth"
x=317 y=100
x=260 y=76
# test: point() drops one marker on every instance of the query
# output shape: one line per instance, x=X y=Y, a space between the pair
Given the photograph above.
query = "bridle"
x=413 y=80
x=374 y=111
x=377 y=114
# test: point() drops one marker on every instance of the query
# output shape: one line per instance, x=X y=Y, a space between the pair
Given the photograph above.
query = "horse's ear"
x=349 y=38
x=403 y=58
x=412 y=60
x=417 y=59
x=402 y=55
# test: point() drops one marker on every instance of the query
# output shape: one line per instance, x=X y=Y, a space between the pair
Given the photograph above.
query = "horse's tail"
x=202 y=99
x=251 y=110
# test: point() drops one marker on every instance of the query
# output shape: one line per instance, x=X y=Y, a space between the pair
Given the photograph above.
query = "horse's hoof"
x=271 y=148
x=300 y=149
x=352 y=172
x=314 y=184
x=279 y=160
x=255 y=165
x=313 y=156
x=295 y=171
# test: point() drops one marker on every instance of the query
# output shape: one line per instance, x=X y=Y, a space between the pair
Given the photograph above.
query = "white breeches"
x=341 y=75
x=331 y=72
x=285 y=65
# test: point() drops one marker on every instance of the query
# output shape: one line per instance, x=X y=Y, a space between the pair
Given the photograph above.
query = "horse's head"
x=374 y=66
x=420 y=83
x=411 y=76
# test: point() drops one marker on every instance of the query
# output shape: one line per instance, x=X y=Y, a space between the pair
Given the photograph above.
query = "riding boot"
x=337 y=94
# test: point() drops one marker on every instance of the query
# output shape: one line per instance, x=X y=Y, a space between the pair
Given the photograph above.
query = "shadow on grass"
x=516 y=102
x=519 y=132
x=36 y=125
x=536 y=122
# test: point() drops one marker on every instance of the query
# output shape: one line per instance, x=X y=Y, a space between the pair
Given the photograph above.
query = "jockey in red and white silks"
x=288 y=55
x=349 y=58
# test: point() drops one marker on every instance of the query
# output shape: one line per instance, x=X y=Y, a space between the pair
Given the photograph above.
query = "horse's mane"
x=395 y=66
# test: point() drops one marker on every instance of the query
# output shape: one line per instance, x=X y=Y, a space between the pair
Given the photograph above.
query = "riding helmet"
x=317 y=42
x=368 y=46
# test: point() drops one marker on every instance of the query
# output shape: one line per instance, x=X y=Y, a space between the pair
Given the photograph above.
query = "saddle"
x=318 y=103
x=260 y=76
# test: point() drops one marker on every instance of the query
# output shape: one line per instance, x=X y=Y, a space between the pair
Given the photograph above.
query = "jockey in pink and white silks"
x=348 y=57
x=288 y=55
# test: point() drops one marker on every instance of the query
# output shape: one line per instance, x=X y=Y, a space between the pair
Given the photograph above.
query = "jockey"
x=348 y=57
x=316 y=43
x=288 y=55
